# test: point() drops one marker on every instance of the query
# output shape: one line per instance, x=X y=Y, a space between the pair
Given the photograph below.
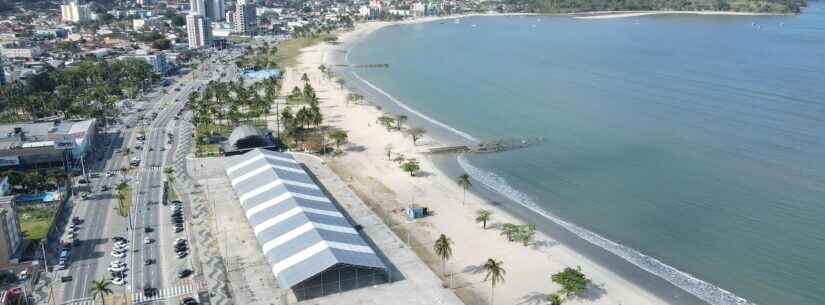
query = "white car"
x=120 y=249
x=117 y=264
x=118 y=281
x=119 y=254
x=147 y=240
x=117 y=269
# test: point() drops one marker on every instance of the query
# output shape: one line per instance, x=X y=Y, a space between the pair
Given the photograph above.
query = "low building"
x=11 y=236
x=157 y=60
x=46 y=144
x=303 y=233
x=15 y=51
x=245 y=138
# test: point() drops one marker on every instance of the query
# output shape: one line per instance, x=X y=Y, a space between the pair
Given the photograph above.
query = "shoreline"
x=380 y=181
x=628 y=14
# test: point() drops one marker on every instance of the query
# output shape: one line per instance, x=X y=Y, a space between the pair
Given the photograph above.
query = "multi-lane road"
x=149 y=217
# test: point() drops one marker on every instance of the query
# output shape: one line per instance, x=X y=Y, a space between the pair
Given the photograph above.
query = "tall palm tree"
x=100 y=289
x=444 y=251
x=495 y=273
x=483 y=216
x=464 y=182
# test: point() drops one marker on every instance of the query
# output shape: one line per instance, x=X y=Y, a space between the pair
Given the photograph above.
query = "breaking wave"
x=701 y=289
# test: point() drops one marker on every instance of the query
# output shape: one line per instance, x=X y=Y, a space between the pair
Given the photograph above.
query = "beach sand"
x=382 y=184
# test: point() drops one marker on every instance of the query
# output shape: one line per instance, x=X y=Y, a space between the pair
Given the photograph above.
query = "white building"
x=13 y=51
x=138 y=24
x=157 y=60
x=75 y=11
x=11 y=236
x=144 y=2
x=199 y=30
x=245 y=17
x=197 y=7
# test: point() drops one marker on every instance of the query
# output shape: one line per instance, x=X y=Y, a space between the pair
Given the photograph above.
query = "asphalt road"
x=89 y=260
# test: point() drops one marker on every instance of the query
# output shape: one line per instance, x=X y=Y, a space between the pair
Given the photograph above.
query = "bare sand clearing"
x=380 y=182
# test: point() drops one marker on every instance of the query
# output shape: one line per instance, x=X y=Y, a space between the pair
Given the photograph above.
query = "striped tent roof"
x=300 y=230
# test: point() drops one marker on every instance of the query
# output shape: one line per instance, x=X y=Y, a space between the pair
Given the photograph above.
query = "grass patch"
x=171 y=194
x=34 y=222
x=239 y=39
x=125 y=205
x=288 y=51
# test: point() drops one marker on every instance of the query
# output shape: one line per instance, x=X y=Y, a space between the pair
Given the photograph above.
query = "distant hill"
x=568 y=6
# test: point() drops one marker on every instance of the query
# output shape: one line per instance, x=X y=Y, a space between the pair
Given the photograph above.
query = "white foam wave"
x=409 y=109
x=707 y=292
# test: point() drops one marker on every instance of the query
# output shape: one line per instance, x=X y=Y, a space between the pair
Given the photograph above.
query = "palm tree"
x=399 y=120
x=340 y=82
x=339 y=136
x=444 y=251
x=464 y=182
x=305 y=78
x=510 y=230
x=555 y=299
x=100 y=289
x=483 y=217
x=495 y=273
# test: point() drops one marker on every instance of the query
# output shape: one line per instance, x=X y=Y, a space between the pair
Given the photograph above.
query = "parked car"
x=188 y=301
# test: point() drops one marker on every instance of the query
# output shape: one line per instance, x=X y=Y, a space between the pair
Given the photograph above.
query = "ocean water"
x=693 y=147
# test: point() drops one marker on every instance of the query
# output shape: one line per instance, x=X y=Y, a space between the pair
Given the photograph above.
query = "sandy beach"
x=379 y=181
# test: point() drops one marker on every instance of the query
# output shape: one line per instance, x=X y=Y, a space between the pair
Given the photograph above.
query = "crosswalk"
x=165 y=293
x=170 y=292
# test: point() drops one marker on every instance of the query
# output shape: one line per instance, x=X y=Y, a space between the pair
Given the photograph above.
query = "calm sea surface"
x=698 y=141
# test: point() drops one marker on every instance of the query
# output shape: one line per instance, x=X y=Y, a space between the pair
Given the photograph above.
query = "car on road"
x=188 y=301
x=148 y=261
x=76 y=220
x=180 y=240
x=182 y=254
x=183 y=273
x=118 y=281
x=118 y=239
x=147 y=240
x=119 y=254
x=147 y=230
x=149 y=292
x=116 y=268
x=178 y=229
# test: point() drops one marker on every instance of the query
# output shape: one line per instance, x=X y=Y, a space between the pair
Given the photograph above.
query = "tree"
x=509 y=230
x=554 y=299
x=411 y=166
x=339 y=136
x=178 y=20
x=525 y=233
x=100 y=289
x=305 y=78
x=399 y=120
x=322 y=68
x=483 y=216
x=444 y=250
x=386 y=121
x=416 y=133
x=495 y=273
x=464 y=182
x=572 y=281
x=388 y=150
x=161 y=44
x=340 y=82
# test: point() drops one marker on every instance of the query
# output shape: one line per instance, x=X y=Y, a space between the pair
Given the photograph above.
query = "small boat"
x=473 y=25
x=457 y=21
